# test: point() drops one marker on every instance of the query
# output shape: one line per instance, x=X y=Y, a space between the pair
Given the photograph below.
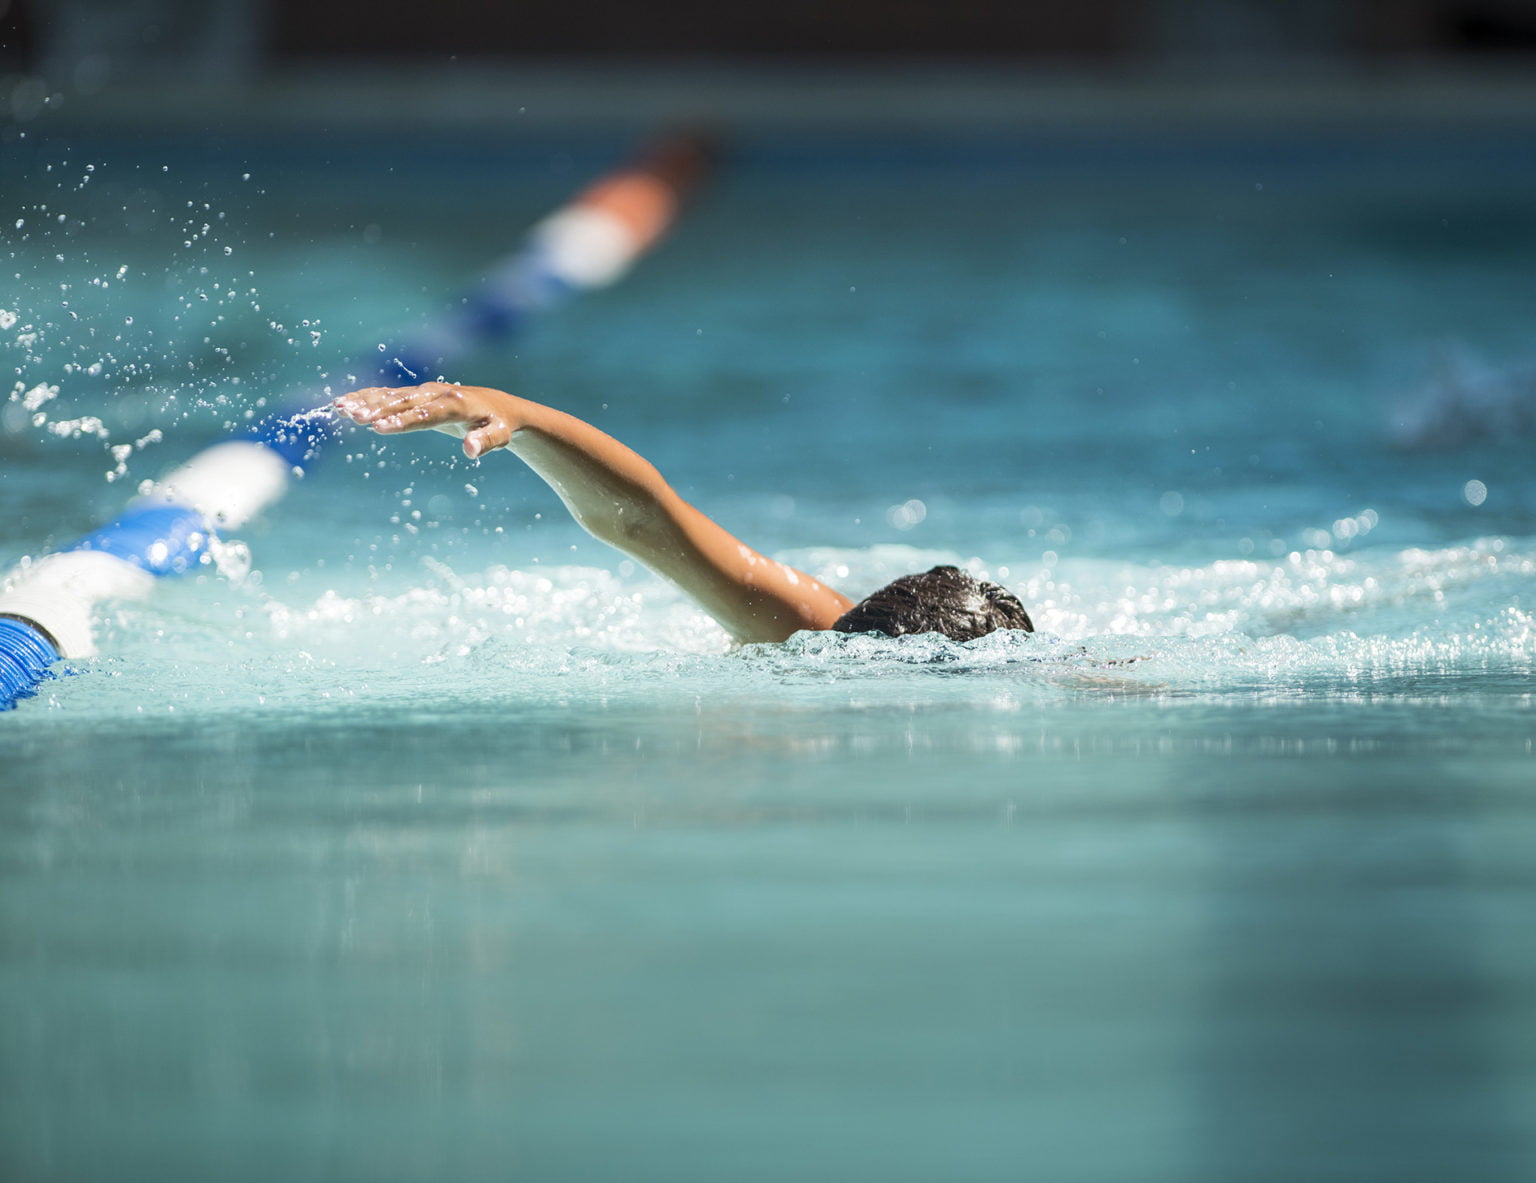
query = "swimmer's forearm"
x=620 y=498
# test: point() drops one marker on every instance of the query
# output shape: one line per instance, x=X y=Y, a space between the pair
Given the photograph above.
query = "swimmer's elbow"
x=633 y=527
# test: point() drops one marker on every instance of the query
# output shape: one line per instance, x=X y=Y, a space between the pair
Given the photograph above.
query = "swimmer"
x=619 y=498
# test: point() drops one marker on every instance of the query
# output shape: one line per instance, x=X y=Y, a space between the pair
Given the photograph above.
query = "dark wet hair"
x=944 y=600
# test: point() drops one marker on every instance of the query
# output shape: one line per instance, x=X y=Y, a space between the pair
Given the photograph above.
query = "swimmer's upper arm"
x=754 y=597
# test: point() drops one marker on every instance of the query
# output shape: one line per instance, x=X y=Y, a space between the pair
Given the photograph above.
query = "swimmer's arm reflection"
x=619 y=498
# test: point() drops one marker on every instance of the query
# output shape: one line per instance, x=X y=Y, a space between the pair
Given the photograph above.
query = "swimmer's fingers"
x=390 y=409
x=359 y=405
x=466 y=411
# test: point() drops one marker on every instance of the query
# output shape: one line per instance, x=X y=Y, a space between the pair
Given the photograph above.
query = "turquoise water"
x=453 y=846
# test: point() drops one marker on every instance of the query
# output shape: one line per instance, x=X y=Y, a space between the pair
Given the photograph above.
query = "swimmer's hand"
x=484 y=418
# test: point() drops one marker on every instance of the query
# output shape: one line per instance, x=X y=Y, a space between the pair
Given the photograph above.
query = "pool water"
x=433 y=840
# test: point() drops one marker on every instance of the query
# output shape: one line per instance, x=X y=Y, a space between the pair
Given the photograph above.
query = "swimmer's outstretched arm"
x=619 y=498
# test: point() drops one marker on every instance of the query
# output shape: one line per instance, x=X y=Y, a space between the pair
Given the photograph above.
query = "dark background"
x=53 y=35
x=1089 y=28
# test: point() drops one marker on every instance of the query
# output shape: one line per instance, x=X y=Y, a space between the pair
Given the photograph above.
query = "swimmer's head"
x=944 y=600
